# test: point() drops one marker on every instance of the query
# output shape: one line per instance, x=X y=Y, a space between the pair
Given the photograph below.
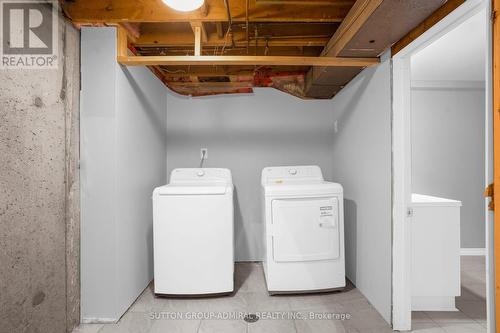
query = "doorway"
x=432 y=127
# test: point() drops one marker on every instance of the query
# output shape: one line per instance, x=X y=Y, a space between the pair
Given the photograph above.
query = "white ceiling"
x=457 y=56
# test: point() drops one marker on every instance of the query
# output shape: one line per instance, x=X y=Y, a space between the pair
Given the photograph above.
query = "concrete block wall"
x=39 y=194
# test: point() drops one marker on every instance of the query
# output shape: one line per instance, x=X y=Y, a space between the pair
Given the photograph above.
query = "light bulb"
x=184 y=5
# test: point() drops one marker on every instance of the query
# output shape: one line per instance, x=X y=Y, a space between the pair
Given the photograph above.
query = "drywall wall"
x=448 y=152
x=122 y=160
x=39 y=193
x=361 y=152
x=448 y=119
x=246 y=133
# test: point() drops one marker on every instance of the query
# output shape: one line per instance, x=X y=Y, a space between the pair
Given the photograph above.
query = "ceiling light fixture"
x=184 y=5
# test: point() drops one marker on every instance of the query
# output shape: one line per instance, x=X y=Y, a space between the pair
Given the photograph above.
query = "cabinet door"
x=305 y=229
x=435 y=268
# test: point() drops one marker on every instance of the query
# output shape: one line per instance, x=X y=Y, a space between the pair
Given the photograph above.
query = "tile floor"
x=471 y=316
x=145 y=315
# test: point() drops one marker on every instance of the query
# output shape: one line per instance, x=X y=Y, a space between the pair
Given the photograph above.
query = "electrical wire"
x=203 y=152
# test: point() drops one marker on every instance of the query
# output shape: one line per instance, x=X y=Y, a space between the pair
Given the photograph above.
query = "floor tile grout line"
x=199 y=326
x=295 y=326
x=441 y=322
x=466 y=315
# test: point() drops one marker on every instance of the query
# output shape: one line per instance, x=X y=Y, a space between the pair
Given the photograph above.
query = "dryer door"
x=305 y=229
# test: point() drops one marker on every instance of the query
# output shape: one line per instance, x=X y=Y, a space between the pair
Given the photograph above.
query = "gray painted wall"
x=39 y=194
x=246 y=133
x=448 y=152
x=361 y=153
x=122 y=160
x=448 y=123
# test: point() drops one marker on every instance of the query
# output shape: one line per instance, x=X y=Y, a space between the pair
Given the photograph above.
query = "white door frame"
x=401 y=150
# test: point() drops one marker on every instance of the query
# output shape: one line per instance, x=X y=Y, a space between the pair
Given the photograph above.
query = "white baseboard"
x=99 y=320
x=472 y=251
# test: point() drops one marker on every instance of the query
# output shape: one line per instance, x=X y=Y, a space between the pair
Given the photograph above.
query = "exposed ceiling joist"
x=197 y=60
x=310 y=48
x=195 y=26
x=180 y=74
x=119 y=11
x=233 y=51
x=220 y=33
x=133 y=30
x=306 y=2
x=240 y=51
x=197 y=41
x=355 y=19
x=246 y=60
x=174 y=72
x=274 y=34
x=212 y=40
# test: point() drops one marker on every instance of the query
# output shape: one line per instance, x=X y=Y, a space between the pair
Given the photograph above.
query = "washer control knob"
x=201 y=173
x=293 y=172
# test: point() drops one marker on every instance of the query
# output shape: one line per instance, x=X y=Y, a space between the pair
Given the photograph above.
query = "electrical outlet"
x=336 y=126
x=204 y=153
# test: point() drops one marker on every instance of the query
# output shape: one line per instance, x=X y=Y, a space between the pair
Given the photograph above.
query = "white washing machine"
x=304 y=230
x=193 y=233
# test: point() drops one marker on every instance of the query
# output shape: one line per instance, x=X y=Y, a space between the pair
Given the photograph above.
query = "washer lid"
x=208 y=188
x=197 y=181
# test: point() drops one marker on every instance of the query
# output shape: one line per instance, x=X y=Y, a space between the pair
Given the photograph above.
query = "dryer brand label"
x=326 y=211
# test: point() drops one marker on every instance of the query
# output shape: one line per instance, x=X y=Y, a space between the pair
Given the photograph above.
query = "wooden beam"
x=204 y=36
x=429 y=22
x=121 y=41
x=355 y=19
x=117 y=11
x=167 y=39
x=240 y=51
x=220 y=33
x=174 y=72
x=125 y=33
x=246 y=60
x=197 y=41
x=352 y=24
x=133 y=30
x=306 y=2
x=196 y=74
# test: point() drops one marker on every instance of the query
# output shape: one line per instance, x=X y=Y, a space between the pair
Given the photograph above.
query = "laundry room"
x=261 y=143
x=245 y=166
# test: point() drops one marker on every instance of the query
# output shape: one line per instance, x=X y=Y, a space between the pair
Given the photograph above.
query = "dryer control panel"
x=273 y=175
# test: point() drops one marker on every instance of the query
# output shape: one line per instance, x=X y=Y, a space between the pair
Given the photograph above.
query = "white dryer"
x=193 y=233
x=304 y=230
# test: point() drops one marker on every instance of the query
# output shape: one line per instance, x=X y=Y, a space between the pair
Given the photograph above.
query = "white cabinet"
x=435 y=253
